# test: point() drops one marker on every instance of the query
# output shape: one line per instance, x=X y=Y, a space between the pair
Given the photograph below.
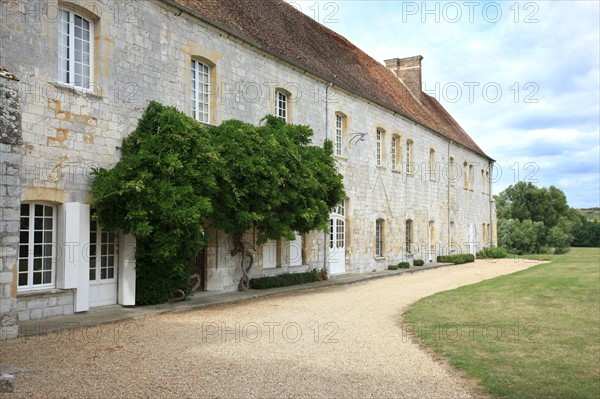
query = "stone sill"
x=87 y=93
x=380 y=258
x=41 y=292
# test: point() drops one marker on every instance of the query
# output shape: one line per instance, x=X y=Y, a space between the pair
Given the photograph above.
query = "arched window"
x=465 y=175
x=379 y=146
x=75 y=49
x=340 y=133
x=409 y=236
x=408 y=162
x=451 y=171
x=282 y=104
x=396 y=153
x=432 y=166
x=200 y=91
x=379 y=238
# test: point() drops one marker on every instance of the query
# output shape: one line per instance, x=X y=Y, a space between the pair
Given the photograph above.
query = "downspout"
x=326 y=138
x=491 y=168
x=449 y=174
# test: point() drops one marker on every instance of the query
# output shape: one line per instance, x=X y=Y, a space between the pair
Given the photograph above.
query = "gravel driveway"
x=337 y=342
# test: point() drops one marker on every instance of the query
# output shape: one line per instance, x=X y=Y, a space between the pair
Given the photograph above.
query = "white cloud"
x=558 y=56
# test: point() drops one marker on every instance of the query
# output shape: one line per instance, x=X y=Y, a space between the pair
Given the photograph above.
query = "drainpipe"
x=326 y=137
x=449 y=243
x=491 y=168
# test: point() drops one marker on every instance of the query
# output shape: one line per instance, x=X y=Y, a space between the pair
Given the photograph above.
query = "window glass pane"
x=22 y=279
x=37 y=250
x=47 y=277
x=39 y=210
x=37 y=264
x=23 y=265
x=24 y=252
x=24 y=209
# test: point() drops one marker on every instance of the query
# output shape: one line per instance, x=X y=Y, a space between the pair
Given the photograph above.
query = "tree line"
x=539 y=220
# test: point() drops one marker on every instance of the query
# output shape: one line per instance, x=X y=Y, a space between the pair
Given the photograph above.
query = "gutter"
x=326 y=138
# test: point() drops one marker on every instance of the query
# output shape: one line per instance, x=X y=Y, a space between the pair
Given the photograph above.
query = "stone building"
x=77 y=75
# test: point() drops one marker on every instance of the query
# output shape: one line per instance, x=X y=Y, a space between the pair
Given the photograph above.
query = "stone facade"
x=141 y=52
x=11 y=155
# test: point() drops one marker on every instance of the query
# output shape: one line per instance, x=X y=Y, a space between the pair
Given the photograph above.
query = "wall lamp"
x=356 y=137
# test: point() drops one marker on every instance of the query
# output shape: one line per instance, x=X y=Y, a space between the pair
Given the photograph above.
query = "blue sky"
x=521 y=77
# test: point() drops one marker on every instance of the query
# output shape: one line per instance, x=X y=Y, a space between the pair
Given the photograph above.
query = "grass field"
x=532 y=334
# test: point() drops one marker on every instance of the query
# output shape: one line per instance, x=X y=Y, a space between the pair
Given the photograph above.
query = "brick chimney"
x=408 y=70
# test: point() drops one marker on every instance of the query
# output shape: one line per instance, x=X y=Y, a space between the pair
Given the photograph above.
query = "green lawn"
x=532 y=334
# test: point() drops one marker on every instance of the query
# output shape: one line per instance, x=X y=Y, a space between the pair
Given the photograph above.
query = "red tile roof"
x=280 y=29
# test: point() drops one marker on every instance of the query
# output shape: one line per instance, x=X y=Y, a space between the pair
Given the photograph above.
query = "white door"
x=337 y=241
x=103 y=266
x=270 y=254
x=472 y=239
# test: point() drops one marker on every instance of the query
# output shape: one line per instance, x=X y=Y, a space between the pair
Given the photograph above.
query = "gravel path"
x=338 y=342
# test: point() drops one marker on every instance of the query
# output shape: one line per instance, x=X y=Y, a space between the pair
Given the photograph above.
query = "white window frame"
x=66 y=55
x=281 y=105
x=394 y=152
x=379 y=238
x=379 y=143
x=200 y=85
x=409 y=160
x=451 y=171
x=48 y=247
x=432 y=164
x=339 y=129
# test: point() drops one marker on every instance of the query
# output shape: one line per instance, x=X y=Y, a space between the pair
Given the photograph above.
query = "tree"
x=538 y=216
x=588 y=235
x=160 y=192
x=273 y=181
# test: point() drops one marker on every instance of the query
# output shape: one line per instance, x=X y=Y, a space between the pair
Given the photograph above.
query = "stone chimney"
x=408 y=70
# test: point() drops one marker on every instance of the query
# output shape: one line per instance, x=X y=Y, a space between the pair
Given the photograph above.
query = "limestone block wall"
x=11 y=155
x=143 y=53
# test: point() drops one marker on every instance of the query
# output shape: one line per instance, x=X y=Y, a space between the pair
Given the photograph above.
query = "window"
x=379 y=147
x=281 y=105
x=379 y=238
x=432 y=167
x=471 y=176
x=452 y=237
x=102 y=261
x=451 y=171
x=200 y=92
x=409 y=159
x=339 y=125
x=465 y=175
x=36 y=246
x=409 y=236
x=75 y=49
x=483 y=181
x=395 y=153
x=487 y=182
x=484 y=234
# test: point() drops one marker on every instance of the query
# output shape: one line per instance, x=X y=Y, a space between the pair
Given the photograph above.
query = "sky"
x=521 y=77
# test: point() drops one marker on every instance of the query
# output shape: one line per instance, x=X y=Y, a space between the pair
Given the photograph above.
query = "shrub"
x=323 y=274
x=545 y=250
x=286 y=279
x=456 y=259
x=403 y=265
x=418 y=262
x=492 y=253
x=392 y=267
x=561 y=251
